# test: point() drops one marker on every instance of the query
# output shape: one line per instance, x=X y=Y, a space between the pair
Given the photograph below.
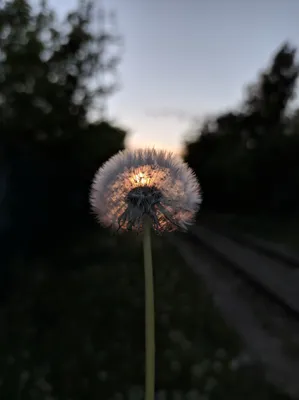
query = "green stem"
x=149 y=314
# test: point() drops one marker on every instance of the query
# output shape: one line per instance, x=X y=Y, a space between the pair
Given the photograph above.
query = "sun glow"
x=141 y=179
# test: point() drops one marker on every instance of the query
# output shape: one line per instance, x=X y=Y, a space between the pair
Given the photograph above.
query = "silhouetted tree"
x=48 y=86
x=267 y=99
x=247 y=160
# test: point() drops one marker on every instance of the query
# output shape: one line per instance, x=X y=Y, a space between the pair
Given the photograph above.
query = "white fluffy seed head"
x=149 y=182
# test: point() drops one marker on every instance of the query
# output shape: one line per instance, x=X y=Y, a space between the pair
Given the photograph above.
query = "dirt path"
x=266 y=331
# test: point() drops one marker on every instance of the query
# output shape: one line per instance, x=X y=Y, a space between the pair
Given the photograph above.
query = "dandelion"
x=133 y=184
x=139 y=190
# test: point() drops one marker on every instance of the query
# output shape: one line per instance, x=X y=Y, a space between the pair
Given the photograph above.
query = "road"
x=257 y=294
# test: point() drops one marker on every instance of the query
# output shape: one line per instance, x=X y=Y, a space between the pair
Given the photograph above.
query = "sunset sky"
x=184 y=59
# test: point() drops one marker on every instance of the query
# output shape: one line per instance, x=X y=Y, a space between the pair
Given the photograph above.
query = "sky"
x=187 y=59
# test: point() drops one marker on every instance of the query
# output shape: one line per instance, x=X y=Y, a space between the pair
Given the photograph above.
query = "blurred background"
x=214 y=82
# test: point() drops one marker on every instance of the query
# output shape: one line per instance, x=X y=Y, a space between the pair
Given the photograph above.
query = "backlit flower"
x=139 y=183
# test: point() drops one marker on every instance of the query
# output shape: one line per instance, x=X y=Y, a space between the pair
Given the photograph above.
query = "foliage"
x=247 y=159
x=80 y=334
x=49 y=84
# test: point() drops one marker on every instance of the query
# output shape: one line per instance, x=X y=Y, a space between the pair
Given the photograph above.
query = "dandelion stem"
x=149 y=314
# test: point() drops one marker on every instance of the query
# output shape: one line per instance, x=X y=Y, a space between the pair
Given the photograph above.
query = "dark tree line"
x=247 y=159
x=49 y=148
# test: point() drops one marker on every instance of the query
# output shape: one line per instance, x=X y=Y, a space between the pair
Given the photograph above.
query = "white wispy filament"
x=133 y=184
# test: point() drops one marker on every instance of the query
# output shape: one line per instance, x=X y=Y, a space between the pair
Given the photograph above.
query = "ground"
x=75 y=330
x=277 y=229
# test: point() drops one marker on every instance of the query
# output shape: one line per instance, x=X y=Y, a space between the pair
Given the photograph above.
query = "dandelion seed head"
x=139 y=183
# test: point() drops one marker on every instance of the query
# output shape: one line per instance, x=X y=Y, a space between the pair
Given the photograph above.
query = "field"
x=280 y=230
x=74 y=329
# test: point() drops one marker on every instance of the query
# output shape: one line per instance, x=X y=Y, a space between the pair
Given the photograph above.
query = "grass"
x=77 y=331
x=276 y=229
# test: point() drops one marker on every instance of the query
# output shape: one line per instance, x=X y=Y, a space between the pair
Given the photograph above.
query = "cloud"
x=170 y=113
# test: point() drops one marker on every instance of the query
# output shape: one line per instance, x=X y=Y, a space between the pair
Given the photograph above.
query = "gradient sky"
x=190 y=58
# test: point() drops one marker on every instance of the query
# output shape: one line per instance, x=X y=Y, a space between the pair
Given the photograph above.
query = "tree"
x=267 y=100
x=246 y=159
x=48 y=86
